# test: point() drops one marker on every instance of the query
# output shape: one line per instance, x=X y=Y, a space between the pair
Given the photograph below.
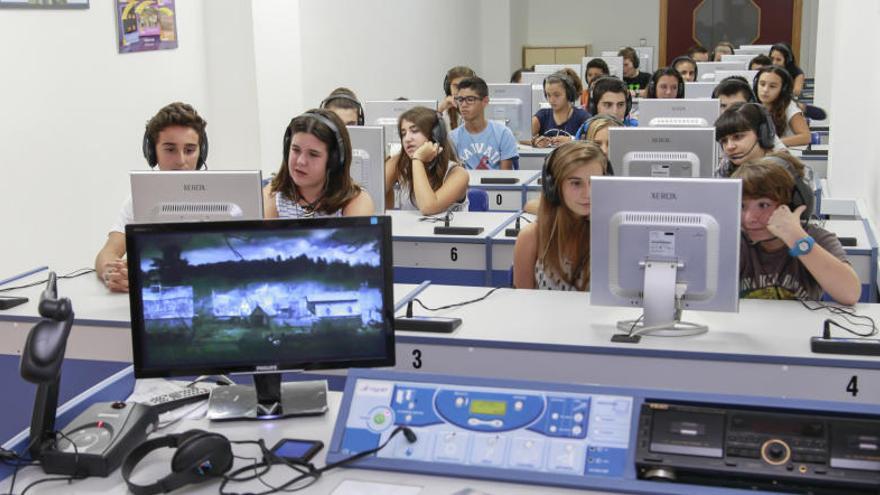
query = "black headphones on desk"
x=200 y=456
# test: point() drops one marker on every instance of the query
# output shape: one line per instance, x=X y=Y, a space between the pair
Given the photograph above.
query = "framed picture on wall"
x=44 y=4
x=145 y=25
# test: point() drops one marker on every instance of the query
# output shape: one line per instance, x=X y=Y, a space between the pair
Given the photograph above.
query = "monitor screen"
x=699 y=89
x=227 y=297
x=694 y=112
x=665 y=245
x=662 y=151
x=196 y=195
x=511 y=105
x=706 y=70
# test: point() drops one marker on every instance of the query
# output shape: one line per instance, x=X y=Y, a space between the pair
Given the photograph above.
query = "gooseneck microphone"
x=740 y=156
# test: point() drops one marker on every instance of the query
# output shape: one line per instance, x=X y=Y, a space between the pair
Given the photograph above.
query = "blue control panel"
x=489 y=427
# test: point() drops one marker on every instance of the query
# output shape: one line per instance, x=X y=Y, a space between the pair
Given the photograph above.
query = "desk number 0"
x=853 y=385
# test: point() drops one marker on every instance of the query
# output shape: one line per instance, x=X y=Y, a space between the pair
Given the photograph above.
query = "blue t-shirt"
x=545 y=119
x=484 y=150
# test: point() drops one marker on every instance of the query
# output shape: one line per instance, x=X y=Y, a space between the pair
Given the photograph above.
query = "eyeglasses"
x=470 y=100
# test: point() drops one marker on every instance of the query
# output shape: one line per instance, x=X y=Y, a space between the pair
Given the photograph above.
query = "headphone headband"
x=567 y=84
x=336 y=158
x=801 y=194
x=342 y=96
x=666 y=71
x=607 y=84
x=149 y=148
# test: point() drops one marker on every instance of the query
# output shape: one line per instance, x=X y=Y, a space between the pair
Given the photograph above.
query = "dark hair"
x=425 y=119
x=777 y=108
x=475 y=83
x=176 y=114
x=575 y=80
x=788 y=55
x=516 y=77
x=696 y=49
x=339 y=188
x=342 y=98
x=629 y=53
x=740 y=117
x=768 y=178
x=685 y=59
x=606 y=84
x=596 y=63
x=666 y=71
x=762 y=60
x=732 y=85
x=454 y=73
x=724 y=43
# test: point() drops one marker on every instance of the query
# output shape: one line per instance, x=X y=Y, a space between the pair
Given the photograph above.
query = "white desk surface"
x=524 y=177
x=850 y=228
x=527 y=150
x=157 y=465
x=500 y=238
x=407 y=224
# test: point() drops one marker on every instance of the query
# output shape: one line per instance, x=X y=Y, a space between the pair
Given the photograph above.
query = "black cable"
x=846 y=314
x=46 y=480
x=69 y=479
x=74 y=274
x=458 y=304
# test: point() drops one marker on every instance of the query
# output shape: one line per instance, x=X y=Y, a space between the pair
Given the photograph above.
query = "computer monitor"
x=533 y=78
x=694 y=90
x=368 y=161
x=551 y=68
x=261 y=298
x=386 y=112
x=706 y=70
x=754 y=50
x=511 y=104
x=665 y=245
x=646 y=58
x=749 y=75
x=662 y=151
x=615 y=66
x=738 y=58
x=196 y=195
x=539 y=99
x=678 y=113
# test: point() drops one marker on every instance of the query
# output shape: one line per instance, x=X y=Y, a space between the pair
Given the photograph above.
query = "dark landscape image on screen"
x=263 y=298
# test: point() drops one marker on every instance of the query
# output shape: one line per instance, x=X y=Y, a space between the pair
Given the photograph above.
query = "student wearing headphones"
x=773 y=87
x=782 y=56
x=636 y=81
x=596 y=68
x=609 y=95
x=745 y=132
x=345 y=104
x=553 y=252
x=781 y=255
x=450 y=88
x=722 y=48
x=559 y=123
x=666 y=83
x=480 y=143
x=759 y=62
x=685 y=66
x=174 y=139
x=425 y=176
x=733 y=89
x=314 y=177
x=698 y=53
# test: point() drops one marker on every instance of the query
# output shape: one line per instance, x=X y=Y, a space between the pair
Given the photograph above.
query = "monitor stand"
x=268 y=398
x=662 y=304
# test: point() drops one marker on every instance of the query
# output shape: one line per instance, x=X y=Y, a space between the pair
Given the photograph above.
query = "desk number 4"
x=853 y=386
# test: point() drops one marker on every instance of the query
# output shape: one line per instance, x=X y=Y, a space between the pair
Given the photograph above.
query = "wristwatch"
x=802 y=246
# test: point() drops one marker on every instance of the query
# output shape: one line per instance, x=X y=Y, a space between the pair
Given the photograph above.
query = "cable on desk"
x=74 y=274
x=848 y=314
x=458 y=304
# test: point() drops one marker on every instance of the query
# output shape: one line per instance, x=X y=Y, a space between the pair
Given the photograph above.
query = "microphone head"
x=409 y=434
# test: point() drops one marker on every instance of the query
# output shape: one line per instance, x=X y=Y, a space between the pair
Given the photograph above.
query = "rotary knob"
x=775 y=452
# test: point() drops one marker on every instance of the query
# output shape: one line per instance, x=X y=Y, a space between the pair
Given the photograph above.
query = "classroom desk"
x=863 y=255
x=534 y=188
x=531 y=158
x=157 y=465
x=419 y=254
x=503 y=197
x=502 y=253
x=817 y=159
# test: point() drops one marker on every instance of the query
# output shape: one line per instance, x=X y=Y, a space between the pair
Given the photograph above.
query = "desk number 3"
x=417 y=359
x=853 y=386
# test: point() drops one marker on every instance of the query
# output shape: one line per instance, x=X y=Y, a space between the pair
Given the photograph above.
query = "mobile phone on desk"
x=297 y=451
x=8 y=302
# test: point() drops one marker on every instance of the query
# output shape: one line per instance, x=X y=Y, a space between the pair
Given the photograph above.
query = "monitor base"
x=673 y=329
x=306 y=398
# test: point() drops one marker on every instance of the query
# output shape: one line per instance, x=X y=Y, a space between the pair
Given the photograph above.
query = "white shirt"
x=126 y=216
x=790 y=111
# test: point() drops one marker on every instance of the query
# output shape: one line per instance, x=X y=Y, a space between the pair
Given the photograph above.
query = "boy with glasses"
x=480 y=143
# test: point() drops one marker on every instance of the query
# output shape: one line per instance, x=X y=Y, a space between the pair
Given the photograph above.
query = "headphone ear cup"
x=205 y=454
x=203 y=150
x=447 y=86
x=149 y=150
x=549 y=187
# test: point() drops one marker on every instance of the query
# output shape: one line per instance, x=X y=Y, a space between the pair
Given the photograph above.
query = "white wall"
x=853 y=170
x=73 y=114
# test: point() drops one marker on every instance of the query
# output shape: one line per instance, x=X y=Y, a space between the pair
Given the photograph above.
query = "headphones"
x=438 y=132
x=605 y=84
x=635 y=56
x=447 y=82
x=200 y=456
x=666 y=71
x=558 y=77
x=549 y=188
x=801 y=194
x=336 y=157
x=766 y=129
x=779 y=71
x=150 y=149
x=584 y=129
x=343 y=96
x=787 y=55
x=686 y=58
x=731 y=85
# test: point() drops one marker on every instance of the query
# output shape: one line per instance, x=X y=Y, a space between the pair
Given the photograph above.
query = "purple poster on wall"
x=144 y=25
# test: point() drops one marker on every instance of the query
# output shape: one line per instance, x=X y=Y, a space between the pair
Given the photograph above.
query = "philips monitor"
x=665 y=245
x=368 y=161
x=694 y=90
x=614 y=63
x=678 y=113
x=197 y=195
x=511 y=105
x=706 y=70
x=738 y=58
x=662 y=151
x=261 y=298
x=385 y=114
x=749 y=75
